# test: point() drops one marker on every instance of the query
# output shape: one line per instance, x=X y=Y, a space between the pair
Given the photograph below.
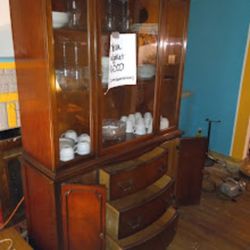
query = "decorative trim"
x=241 y=119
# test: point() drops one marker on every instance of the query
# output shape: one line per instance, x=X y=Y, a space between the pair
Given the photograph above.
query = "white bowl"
x=146 y=71
x=59 y=19
x=66 y=142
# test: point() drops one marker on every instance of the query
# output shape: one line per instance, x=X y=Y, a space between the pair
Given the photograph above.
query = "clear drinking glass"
x=75 y=14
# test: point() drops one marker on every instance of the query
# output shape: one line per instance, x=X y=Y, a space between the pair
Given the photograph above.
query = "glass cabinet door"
x=127 y=55
x=171 y=60
x=71 y=71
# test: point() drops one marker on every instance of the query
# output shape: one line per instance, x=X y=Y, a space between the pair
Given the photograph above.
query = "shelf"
x=71 y=34
x=127 y=137
x=146 y=80
x=139 y=82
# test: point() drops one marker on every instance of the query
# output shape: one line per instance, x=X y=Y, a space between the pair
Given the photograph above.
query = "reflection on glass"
x=72 y=80
x=132 y=104
x=171 y=63
x=70 y=74
x=75 y=14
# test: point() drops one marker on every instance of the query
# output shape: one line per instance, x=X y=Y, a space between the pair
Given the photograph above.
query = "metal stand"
x=209 y=160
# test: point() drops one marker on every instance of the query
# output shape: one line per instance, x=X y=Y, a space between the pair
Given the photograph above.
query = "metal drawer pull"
x=126 y=186
x=162 y=169
x=101 y=236
x=169 y=201
x=136 y=223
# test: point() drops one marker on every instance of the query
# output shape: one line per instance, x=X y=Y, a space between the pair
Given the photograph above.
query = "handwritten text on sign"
x=122 y=60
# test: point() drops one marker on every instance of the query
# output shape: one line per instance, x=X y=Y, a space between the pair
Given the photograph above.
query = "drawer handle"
x=162 y=169
x=169 y=201
x=126 y=186
x=136 y=223
x=101 y=236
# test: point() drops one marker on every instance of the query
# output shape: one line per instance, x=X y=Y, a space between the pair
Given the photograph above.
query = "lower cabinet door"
x=83 y=217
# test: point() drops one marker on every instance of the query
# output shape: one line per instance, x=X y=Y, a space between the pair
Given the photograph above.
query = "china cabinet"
x=99 y=86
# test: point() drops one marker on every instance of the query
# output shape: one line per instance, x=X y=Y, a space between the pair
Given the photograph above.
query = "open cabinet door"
x=83 y=211
x=192 y=155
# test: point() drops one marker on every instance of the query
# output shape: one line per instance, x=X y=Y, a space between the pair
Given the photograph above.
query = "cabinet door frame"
x=93 y=194
x=163 y=49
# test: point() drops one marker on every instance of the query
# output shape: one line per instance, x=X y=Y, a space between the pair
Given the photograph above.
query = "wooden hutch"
x=115 y=190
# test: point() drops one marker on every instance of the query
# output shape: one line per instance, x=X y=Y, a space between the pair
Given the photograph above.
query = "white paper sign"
x=122 y=60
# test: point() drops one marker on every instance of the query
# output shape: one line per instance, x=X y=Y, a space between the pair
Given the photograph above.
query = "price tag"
x=122 y=60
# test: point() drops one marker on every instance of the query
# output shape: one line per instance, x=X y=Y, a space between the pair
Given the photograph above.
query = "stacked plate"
x=147 y=28
x=146 y=71
x=60 y=19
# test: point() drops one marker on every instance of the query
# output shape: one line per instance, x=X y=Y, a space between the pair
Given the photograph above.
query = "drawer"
x=157 y=236
x=131 y=176
x=129 y=215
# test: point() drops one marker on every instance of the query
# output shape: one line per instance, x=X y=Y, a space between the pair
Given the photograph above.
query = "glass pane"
x=69 y=20
x=171 y=62
x=127 y=110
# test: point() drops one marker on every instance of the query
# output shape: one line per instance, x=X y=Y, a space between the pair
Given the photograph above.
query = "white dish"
x=147 y=28
x=67 y=153
x=66 y=142
x=60 y=19
x=105 y=70
x=146 y=71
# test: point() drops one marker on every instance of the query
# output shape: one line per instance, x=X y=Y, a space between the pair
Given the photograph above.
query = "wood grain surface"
x=215 y=224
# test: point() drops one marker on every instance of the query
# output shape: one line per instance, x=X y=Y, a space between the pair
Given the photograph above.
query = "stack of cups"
x=70 y=144
x=138 y=124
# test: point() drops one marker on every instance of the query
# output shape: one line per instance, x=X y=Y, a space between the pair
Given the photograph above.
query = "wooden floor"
x=214 y=224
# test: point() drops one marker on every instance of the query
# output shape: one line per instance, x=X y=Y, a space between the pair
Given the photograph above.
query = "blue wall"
x=217 y=36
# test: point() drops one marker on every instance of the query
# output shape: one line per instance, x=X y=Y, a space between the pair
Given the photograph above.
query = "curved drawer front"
x=156 y=236
x=131 y=176
x=129 y=215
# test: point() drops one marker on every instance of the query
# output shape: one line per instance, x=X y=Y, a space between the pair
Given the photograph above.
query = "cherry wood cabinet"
x=85 y=141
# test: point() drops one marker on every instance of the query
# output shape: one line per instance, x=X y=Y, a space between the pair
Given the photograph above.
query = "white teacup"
x=124 y=118
x=138 y=116
x=139 y=120
x=82 y=148
x=147 y=121
x=66 y=142
x=129 y=126
x=150 y=127
x=131 y=117
x=67 y=153
x=164 y=124
x=70 y=134
x=83 y=137
x=140 y=129
x=148 y=115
